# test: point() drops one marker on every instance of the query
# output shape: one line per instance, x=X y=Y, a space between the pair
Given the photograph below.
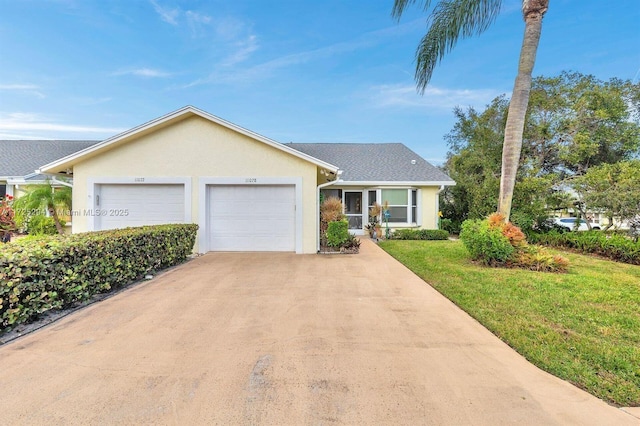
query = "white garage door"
x=251 y=218
x=122 y=205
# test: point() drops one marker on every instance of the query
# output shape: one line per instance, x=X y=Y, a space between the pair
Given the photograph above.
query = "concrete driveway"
x=282 y=339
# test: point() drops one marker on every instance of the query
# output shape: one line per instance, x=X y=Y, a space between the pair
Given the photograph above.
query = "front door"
x=353 y=209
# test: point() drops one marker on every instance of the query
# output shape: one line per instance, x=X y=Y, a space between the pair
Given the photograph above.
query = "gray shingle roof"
x=374 y=162
x=22 y=157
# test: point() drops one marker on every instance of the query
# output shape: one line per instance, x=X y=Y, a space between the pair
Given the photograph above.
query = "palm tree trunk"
x=533 y=11
x=56 y=219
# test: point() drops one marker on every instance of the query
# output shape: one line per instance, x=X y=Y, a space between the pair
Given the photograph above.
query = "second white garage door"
x=251 y=217
x=124 y=205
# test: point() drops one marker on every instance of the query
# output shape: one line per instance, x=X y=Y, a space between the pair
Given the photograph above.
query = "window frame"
x=412 y=205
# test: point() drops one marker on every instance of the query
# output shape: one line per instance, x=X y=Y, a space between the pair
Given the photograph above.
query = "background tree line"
x=581 y=149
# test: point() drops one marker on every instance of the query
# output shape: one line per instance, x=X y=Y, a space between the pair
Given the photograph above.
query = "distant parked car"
x=570 y=224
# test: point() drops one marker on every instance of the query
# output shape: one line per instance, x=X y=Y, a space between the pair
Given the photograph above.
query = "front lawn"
x=582 y=326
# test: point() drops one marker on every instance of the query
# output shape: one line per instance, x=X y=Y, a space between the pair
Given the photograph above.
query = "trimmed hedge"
x=420 y=234
x=613 y=246
x=54 y=272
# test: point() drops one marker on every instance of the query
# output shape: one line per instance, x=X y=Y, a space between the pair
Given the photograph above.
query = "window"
x=414 y=206
x=326 y=193
x=372 y=198
x=403 y=204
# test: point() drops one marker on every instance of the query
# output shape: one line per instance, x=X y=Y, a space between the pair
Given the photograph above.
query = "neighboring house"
x=245 y=191
x=19 y=160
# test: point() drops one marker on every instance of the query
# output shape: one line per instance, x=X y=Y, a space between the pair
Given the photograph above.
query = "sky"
x=291 y=70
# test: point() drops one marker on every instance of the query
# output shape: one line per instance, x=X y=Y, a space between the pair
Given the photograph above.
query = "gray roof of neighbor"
x=374 y=162
x=22 y=157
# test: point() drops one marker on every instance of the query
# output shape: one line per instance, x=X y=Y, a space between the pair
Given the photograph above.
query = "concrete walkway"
x=282 y=339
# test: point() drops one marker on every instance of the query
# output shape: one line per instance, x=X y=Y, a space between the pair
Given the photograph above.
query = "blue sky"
x=291 y=70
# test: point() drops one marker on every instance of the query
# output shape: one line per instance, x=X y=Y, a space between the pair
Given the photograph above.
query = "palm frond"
x=450 y=20
x=399 y=6
x=62 y=197
x=36 y=197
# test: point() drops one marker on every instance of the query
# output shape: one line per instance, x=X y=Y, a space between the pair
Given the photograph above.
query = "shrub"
x=7 y=216
x=498 y=243
x=351 y=245
x=53 y=272
x=453 y=227
x=613 y=246
x=337 y=233
x=41 y=225
x=537 y=258
x=420 y=234
x=485 y=243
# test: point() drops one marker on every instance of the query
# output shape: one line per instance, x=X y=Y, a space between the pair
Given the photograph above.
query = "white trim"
x=418 y=218
x=396 y=184
x=93 y=182
x=203 y=203
x=176 y=115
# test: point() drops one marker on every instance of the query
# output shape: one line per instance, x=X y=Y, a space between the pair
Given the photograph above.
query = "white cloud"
x=406 y=96
x=197 y=22
x=143 y=72
x=244 y=48
x=18 y=87
x=31 y=89
x=166 y=14
x=231 y=28
x=26 y=122
x=174 y=16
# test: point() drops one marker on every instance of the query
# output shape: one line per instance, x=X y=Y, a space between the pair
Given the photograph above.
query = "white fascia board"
x=398 y=183
x=172 y=116
x=15 y=180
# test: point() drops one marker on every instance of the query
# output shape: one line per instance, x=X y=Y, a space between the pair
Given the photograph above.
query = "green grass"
x=582 y=326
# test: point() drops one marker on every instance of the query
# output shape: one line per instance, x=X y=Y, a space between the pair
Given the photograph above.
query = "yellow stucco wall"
x=196 y=147
x=429 y=206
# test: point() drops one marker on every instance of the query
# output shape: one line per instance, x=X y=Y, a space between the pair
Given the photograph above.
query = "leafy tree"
x=474 y=162
x=548 y=163
x=576 y=121
x=46 y=198
x=451 y=19
x=614 y=188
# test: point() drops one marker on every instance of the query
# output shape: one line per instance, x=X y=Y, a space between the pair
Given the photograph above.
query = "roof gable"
x=167 y=120
x=372 y=162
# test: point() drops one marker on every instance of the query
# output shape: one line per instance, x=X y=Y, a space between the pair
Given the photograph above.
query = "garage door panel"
x=251 y=218
x=124 y=205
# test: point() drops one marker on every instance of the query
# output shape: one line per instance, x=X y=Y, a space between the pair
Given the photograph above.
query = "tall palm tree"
x=45 y=197
x=451 y=19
